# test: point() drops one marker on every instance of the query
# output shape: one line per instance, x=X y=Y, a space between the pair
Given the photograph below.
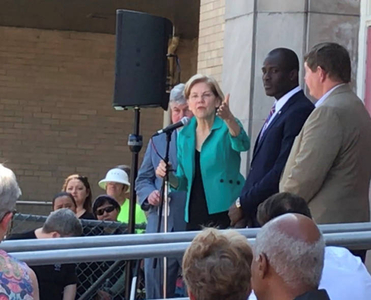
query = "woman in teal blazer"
x=208 y=155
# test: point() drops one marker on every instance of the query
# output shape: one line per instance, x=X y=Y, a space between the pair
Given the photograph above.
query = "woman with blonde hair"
x=208 y=155
x=217 y=266
x=79 y=187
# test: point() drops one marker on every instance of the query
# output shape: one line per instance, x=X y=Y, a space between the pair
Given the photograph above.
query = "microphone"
x=184 y=121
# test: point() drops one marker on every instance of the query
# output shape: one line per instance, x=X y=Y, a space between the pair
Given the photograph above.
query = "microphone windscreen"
x=185 y=120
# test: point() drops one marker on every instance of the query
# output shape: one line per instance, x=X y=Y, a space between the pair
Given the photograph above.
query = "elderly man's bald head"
x=298 y=227
x=292 y=248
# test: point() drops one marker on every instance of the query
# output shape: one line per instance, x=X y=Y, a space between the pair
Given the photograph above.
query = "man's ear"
x=322 y=74
x=263 y=265
x=293 y=75
x=124 y=188
x=55 y=234
x=5 y=222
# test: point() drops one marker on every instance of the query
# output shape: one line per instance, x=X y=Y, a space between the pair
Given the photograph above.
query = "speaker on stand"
x=140 y=81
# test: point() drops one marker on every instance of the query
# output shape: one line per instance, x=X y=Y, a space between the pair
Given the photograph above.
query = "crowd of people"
x=73 y=203
x=310 y=165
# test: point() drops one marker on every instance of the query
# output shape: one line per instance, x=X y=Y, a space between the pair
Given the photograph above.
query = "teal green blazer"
x=220 y=164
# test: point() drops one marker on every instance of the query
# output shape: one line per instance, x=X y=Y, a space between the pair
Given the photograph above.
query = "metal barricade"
x=100 y=256
x=94 y=276
x=353 y=241
x=151 y=238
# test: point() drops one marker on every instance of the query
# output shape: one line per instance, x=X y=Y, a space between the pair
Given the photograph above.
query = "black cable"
x=154 y=148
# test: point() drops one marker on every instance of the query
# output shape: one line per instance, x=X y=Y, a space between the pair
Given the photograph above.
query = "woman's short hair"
x=63 y=194
x=85 y=182
x=217 y=266
x=210 y=81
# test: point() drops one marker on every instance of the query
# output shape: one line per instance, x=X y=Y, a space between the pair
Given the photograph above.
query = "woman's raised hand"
x=223 y=111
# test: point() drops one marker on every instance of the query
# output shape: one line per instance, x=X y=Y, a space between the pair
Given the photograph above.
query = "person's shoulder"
x=87 y=216
x=306 y=102
x=325 y=113
x=157 y=140
x=301 y=101
x=22 y=272
x=188 y=129
x=341 y=97
x=32 y=275
x=340 y=252
x=22 y=236
x=340 y=257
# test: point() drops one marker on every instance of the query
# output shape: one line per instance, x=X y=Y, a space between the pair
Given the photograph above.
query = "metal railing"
x=351 y=240
x=34 y=203
x=98 y=257
x=92 y=276
x=150 y=238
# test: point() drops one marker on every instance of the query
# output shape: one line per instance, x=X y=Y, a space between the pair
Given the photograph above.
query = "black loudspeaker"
x=141 y=60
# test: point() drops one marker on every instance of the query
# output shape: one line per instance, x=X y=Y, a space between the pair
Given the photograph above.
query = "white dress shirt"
x=344 y=276
x=282 y=101
x=325 y=96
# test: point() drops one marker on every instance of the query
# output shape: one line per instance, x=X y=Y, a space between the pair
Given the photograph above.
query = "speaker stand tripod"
x=135 y=143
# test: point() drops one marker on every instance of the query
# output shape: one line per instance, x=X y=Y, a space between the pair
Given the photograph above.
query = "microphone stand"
x=164 y=201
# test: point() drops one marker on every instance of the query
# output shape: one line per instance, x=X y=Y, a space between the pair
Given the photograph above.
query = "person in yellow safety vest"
x=116 y=184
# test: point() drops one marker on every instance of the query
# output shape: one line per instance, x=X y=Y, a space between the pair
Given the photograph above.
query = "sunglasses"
x=107 y=209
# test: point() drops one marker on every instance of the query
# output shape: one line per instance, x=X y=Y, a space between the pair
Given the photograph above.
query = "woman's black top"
x=198 y=212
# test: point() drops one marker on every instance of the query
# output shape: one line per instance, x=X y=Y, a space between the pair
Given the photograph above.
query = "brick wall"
x=56 y=115
x=211 y=36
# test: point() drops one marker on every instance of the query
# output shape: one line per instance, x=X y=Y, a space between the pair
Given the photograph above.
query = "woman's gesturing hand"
x=223 y=111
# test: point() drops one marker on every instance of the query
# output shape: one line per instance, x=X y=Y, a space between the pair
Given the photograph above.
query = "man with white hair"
x=339 y=263
x=17 y=280
x=148 y=187
x=288 y=260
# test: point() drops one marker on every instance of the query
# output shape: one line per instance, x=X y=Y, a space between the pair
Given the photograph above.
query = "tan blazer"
x=330 y=162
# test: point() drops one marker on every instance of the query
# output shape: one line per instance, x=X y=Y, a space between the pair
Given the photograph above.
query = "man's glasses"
x=107 y=209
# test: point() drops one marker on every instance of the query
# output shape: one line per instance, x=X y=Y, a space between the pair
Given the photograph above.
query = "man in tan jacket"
x=330 y=162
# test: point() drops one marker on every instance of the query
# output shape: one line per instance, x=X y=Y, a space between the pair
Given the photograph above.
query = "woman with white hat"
x=116 y=184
